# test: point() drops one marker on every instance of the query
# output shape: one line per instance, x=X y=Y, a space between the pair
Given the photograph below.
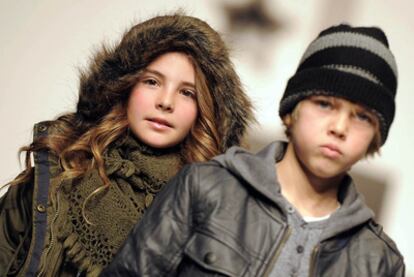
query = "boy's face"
x=330 y=134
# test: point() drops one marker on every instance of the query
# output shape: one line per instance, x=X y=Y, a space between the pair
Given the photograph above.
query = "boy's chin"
x=326 y=172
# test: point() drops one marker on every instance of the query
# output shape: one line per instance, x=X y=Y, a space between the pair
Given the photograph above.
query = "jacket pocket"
x=216 y=256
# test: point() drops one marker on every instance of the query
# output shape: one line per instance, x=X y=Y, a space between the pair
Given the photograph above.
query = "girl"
x=166 y=95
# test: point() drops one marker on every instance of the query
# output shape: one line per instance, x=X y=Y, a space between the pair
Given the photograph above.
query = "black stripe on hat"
x=352 y=56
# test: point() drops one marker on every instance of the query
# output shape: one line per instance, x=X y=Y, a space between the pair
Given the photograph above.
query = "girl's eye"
x=151 y=82
x=188 y=93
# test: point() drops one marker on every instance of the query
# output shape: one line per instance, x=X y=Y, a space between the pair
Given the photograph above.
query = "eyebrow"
x=370 y=112
x=162 y=76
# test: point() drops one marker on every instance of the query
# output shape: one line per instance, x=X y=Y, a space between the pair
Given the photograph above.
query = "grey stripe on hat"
x=356 y=71
x=352 y=40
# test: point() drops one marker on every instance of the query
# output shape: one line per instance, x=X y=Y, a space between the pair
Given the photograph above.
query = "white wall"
x=42 y=43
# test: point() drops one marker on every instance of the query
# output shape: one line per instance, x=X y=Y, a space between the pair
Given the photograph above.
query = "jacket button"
x=210 y=258
x=41 y=208
x=42 y=128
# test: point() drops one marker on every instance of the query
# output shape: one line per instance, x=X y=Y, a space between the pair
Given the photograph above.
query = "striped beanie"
x=353 y=63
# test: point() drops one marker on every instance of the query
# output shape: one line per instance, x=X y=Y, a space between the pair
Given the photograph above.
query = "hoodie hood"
x=352 y=213
x=258 y=171
x=107 y=81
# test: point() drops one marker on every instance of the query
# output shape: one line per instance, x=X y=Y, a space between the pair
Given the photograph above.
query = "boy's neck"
x=311 y=195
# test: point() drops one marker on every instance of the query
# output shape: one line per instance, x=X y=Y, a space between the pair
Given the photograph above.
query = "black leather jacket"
x=223 y=219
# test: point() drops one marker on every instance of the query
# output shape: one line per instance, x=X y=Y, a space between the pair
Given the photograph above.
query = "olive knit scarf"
x=137 y=173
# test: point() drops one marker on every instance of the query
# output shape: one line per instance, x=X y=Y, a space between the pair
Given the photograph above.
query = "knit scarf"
x=137 y=173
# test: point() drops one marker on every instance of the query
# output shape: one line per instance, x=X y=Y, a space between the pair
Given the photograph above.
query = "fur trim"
x=101 y=84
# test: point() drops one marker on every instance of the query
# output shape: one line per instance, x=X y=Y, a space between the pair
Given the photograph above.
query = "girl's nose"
x=165 y=101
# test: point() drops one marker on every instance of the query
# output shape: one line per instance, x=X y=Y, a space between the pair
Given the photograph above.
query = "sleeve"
x=155 y=245
x=399 y=269
x=15 y=226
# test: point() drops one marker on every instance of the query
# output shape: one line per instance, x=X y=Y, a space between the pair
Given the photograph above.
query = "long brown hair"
x=79 y=152
x=78 y=140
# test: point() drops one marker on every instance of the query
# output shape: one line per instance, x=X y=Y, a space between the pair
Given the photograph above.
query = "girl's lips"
x=159 y=123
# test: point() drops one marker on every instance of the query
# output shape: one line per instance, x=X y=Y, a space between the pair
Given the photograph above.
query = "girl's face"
x=162 y=106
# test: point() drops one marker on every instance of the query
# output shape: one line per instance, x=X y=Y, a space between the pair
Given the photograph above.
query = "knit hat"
x=353 y=63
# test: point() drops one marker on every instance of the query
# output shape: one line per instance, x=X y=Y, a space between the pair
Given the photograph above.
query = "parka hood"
x=104 y=83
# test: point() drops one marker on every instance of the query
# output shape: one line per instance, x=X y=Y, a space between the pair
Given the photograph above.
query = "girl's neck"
x=310 y=194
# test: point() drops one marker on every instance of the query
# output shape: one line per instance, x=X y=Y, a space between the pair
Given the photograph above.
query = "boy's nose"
x=339 y=126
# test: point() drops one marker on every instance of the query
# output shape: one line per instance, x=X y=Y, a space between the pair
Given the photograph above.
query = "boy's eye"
x=323 y=103
x=188 y=93
x=362 y=116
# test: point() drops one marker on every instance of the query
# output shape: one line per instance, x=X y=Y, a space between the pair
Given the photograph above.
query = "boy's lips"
x=331 y=150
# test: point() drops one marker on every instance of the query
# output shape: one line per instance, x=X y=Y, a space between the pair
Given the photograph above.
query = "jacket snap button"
x=42 y=128
x=210 y=258
x=41 y=208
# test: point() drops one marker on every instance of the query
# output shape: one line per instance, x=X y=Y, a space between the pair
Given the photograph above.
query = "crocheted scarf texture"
x=137 y=173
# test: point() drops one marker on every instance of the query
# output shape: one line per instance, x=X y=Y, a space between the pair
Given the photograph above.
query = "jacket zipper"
x=276 y=254
x=52 y=235
x=313 y=260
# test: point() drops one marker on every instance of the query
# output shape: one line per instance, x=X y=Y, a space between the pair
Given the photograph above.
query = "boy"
x=291 y=209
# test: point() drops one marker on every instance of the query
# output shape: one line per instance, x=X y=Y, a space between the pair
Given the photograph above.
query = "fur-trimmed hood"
x=104 y=83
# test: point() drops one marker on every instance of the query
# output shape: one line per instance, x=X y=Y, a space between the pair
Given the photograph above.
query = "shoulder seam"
x=377 y=229
x=398 y=265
